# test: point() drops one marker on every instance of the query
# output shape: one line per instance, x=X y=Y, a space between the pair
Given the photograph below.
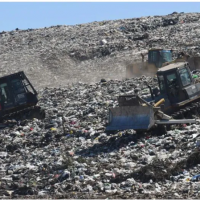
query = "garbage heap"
x=69 y=154
x=90 y=51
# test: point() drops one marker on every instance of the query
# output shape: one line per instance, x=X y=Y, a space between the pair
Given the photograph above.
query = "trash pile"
x=69 y=154
x=88 y=52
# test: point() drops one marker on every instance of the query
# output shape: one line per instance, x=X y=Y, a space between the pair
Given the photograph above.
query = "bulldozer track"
x=190 y=111
x=25 y=113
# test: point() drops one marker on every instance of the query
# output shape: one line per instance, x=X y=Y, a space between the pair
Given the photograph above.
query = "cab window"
x=161 y=84
x=185 y=77
x=4 y=93
x=153 y=56
x=17 y=86
x=167 y=56
x=172 y=80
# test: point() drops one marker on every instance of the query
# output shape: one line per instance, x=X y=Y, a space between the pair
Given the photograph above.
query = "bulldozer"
x=158 y=58
x=18 y=97
x=176 y=101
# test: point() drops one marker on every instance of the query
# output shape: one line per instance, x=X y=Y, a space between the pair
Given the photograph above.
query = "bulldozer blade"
x=130 y=117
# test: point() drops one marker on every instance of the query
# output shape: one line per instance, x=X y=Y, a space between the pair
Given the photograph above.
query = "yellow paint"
x=159 y=102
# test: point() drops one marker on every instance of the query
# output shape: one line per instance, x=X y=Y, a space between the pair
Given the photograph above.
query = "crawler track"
x=26 y=113
x=192 y=110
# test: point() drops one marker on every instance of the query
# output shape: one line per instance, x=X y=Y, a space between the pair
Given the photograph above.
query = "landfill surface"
x=69 y=154
x=91 y=51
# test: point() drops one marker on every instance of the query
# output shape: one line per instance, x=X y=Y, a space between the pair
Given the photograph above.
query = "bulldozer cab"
x=176 y=83
x=16 y=92
x=156 y=59
x=159 y=56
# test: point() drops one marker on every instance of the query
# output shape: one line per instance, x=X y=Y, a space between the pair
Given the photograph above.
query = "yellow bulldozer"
x=158 y=58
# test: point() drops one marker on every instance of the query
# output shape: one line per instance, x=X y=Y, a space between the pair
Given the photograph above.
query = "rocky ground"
x=69 y=154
